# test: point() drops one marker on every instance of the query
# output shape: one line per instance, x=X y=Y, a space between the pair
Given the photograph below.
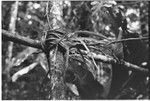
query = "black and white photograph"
x=75 y=50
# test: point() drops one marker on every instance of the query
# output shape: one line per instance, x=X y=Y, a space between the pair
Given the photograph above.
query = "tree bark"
x=6 y=35
x=12 y=27
x=58 y=89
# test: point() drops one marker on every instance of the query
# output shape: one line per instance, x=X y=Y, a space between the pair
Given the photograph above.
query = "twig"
x=89 y=52
x=129 y=39
x=91 y=34
x=110 y=60
x=47 y=14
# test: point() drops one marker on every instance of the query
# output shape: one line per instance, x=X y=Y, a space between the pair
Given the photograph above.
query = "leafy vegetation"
x=101 y=46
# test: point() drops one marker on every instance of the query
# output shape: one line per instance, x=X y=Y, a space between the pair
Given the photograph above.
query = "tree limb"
x=37 y=44
x=6 y=35
x=113 y=61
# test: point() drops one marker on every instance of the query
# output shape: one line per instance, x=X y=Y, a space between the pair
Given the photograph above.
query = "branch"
x=113 y=61
x=91 y=34
x=6 y=35
x=129 y=39
x=37 y=44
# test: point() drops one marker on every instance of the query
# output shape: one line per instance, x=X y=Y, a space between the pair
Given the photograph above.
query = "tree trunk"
x=12 y=27
x=57 y=66
x=57 y=82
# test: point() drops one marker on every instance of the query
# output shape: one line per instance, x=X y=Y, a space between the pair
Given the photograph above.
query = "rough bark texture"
x=20 y=39
x=57 y=82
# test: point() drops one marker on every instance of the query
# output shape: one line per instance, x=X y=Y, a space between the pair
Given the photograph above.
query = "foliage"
x=34 y=20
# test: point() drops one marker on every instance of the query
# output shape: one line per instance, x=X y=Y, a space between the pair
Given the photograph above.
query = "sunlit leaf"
x=73 y=88
x=23 y=71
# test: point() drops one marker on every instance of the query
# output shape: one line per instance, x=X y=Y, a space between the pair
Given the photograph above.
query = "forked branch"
x=37 y=44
